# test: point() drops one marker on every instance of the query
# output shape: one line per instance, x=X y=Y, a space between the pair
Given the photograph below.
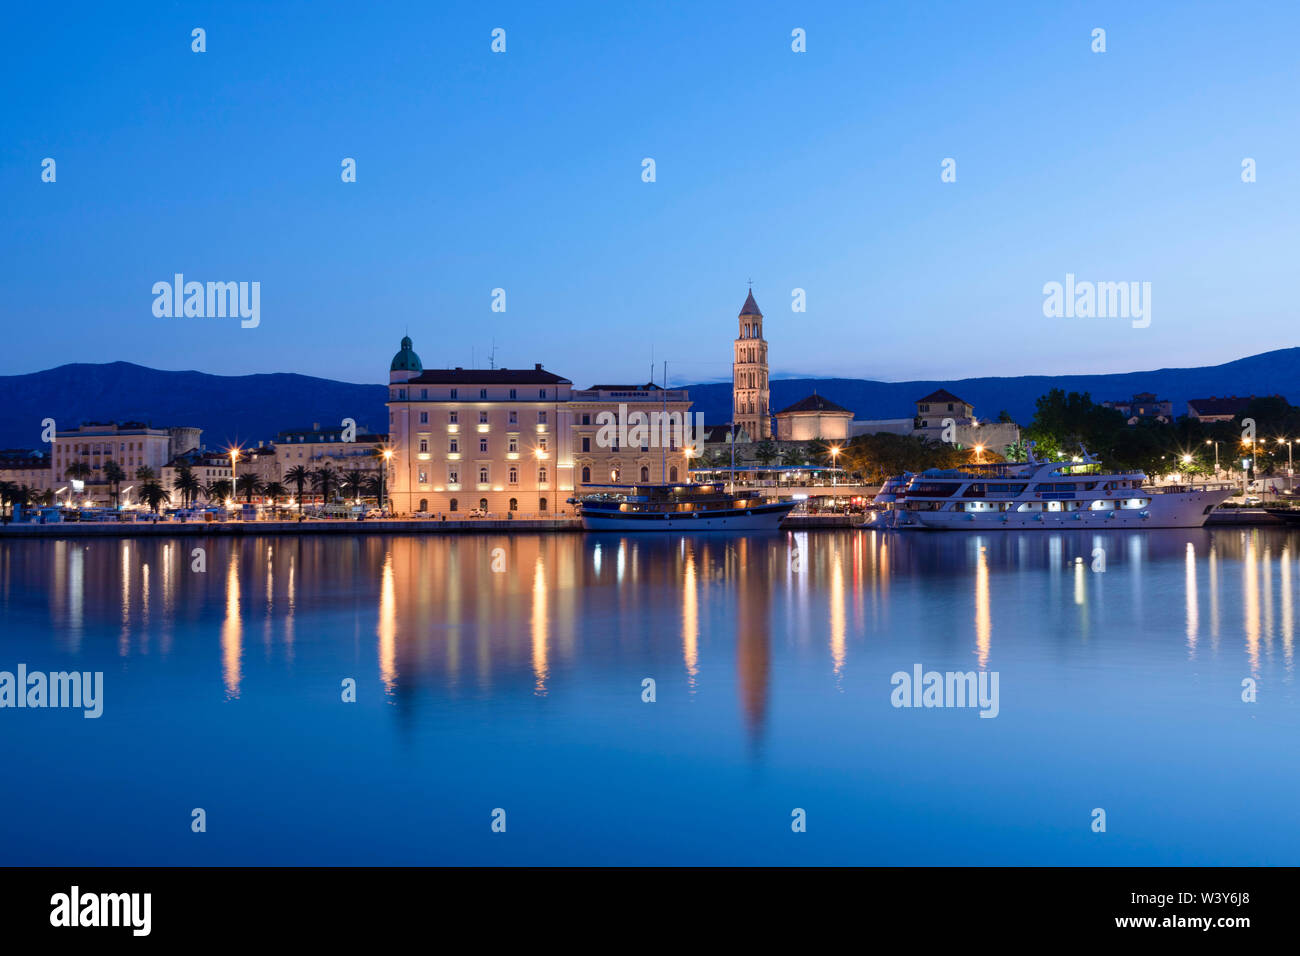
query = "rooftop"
x=488 y=376
x=815 y=403
x=943 y=395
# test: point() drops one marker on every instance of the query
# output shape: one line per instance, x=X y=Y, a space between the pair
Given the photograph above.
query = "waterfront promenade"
x=227 y=529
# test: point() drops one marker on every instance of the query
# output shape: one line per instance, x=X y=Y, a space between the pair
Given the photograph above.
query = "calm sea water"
x=521 y=689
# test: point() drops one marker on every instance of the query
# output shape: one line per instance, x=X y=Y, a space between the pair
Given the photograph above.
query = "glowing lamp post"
x=234 y=482
x=383 y=475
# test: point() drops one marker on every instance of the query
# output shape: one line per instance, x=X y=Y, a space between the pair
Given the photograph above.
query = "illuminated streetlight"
x=383 y=475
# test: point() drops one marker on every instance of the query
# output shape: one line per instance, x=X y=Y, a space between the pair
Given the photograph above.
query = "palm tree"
x=251 y=483
x=274 y=490
x=325 y=481
x=77 y=469
x=372 y=487
x=299 y=476
x=793 y=456
x=153 y=494
x=765 y=453
x=145 y=473
x=218 y=491
x=188 y=486
x=114 y=474
x=352 y=482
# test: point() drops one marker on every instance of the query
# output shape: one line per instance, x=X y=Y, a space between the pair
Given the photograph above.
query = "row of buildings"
x=514 y=440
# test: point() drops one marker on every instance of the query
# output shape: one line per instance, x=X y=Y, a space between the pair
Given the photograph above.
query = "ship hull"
x=1176 y=510
x=758 y=518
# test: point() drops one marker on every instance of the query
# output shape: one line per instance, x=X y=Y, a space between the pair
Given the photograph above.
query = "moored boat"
x=678 y=507
x=1034 y=495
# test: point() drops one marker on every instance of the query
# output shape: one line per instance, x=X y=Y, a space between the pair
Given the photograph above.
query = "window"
x=424 y=477
x=541 y=504
x=645 y=473
x=541 y=444
x=424 y=418
x=514 y=475
x=541 y=393
x=672 y=473
x=424 y=393
x=613 y=474
x=482 y=418
x=483 y=475
x=541 y=474
x=514 y=418
x=482 y=393
x=424 y=505
x=453 y=476
x=512 y=396
x=586 y=444
x=453 y=505
x=452 y=418
x=453 y=395
x=424 y=444
x=482 y=444
x=586 y=475
x=482 y=504
x=586 y=419
x=514 y=443
x=453 y=447
x=541 y=418
x=514 y=504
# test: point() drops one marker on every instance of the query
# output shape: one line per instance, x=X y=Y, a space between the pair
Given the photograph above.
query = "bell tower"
x=749 y=393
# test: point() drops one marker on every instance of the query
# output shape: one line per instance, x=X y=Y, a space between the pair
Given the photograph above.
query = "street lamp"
x=234 y=482
x=1216 y=456
x=835 y=454
x=1290 y=465
x=383 y=474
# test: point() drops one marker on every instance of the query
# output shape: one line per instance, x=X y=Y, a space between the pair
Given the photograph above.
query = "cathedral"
x=749 y=395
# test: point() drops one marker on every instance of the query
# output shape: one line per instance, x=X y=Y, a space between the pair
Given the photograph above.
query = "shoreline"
x=201 y=529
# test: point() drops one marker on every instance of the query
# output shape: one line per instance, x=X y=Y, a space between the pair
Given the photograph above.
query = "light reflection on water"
x=766 y=660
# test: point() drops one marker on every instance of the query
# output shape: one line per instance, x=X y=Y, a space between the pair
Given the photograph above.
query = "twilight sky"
x=523 y=171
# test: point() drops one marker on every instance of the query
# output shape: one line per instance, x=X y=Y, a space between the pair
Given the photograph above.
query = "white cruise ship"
x=1060 y=495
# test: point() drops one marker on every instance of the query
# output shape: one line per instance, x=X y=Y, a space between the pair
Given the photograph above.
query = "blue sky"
x=522 y=170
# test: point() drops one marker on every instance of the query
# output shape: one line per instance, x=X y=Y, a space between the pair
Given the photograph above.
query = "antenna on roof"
x=492 y=356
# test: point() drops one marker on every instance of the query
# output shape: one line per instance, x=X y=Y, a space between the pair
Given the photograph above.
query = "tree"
x=1004 y=417
x=77 y=469
x=186 y=484
x=251 y=483
x=114 y=474
x=298 y=476
x=145 y=473
x=765 y=453
x=8 y=493
x=153 y=494
x=218 y=491
x=352 y=483
x=793 y=456
x=274 y=490
x=372 y=487
x=324 y=482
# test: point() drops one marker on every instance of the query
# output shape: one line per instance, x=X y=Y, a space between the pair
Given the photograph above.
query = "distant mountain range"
x=250 y=408
x=1269 y=373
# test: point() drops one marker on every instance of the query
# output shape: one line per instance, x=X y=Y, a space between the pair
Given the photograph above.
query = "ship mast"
x=664 y=426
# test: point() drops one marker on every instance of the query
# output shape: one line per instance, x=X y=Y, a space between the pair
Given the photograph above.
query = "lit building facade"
x=658 y=458
x=496 y=440
x=811 y=418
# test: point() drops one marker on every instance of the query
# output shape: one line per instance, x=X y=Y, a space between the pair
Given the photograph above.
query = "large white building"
x=522 y=440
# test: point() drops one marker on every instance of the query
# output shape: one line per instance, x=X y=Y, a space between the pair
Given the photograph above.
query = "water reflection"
x=571 y=612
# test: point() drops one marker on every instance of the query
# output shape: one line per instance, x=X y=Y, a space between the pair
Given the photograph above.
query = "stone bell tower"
x=749 y=393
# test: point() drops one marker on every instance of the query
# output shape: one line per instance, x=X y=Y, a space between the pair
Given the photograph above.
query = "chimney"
x=537 y=366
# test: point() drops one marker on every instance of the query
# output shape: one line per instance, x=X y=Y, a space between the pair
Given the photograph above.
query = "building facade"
x=1143 y=407
x=653 y=455
x=749 y=384
x=495 y=440
x=811 y=418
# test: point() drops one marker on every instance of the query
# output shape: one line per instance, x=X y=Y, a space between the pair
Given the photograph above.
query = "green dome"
x=406 y=360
